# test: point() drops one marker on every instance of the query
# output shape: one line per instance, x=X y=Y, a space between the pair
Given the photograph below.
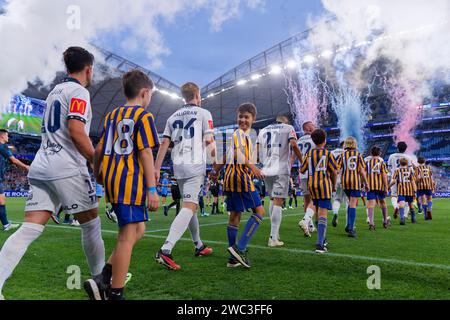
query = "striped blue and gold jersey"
x=424 y=175
x=405 y=178
x=351 y=163
x=127 y=130
x=239 y=178
x=318 y=164
x=376 y=168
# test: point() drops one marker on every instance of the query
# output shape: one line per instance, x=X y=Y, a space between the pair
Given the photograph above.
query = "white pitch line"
x=299 y=251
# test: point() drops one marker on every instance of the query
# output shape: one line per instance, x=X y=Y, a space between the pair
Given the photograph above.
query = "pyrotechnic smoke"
x=34 y=33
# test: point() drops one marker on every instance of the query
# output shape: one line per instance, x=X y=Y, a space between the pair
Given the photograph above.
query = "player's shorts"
x=394 y=192
x=304 y=186
x=353 y=193
x=75 y=195
x=278 y=186
x=2 y=189
x=339 y=196
x=376 y=195
x=324 y=204
x=408 y=199
x=190 y=188
x=164 y=192
x=214 y=192
x=241 y=201
x=424 y=192
x=99 y=192
x=127 y=214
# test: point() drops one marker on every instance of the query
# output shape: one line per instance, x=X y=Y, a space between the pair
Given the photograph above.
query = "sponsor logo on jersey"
x=211 y=124
x=78 y=106
x=52 y=148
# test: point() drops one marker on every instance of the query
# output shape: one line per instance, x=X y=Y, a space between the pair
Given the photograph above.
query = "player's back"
x=405 y=177
x=275 y=150
x=58 y=158
x=306 y=144
x=375 y=167
x=127 y=130
x=394 y=161
x=351 y=164
x=316 y=165
x=424 y=176
x=187 y=128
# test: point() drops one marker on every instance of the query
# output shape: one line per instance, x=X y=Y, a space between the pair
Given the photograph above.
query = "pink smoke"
x=405 y=103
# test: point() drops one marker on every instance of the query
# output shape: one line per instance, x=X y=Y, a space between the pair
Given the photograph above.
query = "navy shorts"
x=408 y=199
x=427 y=193
x=241 y=201
x=352 y=193
x=324 y=204
x=127 y=214
x=376 y=195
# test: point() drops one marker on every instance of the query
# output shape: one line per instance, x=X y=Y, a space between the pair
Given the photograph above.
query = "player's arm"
x=81 y=140
x=164 y=146
x=146 y=156
x=297 y=151
x=393 y=180
x=19 y=163
x=98 y=159
x=208 y=136
x=247 y=162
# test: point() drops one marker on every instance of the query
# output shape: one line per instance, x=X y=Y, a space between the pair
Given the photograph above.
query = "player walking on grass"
x=338 y=196
x=425 y=186
x=6 y=155
x=191 y=129
x=124 y=165
x=378 y=186
x=59 y=174
x=276 y=143
x=241 y=194
x=353 y=168
x=321 y=167
x=405 y=181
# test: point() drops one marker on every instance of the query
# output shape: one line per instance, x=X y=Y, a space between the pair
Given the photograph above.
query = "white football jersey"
x=275 y=150
x=187 y=128
x=58 y=158
x=305 y=144
x=394 y=162
x=336 y=154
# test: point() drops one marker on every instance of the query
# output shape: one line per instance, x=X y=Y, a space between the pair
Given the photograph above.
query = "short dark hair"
x=319 y=136
x=134 y=81
x=247 y=107
x=403 y=162
x=189 y=90
x=402 y=147
x=421 y=160
x=375 y=151
x=77 y=58
x=3 y=131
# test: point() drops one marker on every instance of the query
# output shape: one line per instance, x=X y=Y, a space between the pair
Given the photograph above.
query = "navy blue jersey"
x=5 y=155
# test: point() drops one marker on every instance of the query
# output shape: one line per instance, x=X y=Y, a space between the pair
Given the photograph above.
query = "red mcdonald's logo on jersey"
x=211 y=124
x=78 y=106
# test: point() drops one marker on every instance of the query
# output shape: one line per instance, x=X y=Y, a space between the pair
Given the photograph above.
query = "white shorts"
x=190 y=188
x=394 y=192
x=75 y=195
x=304 y=186
x=278 y=186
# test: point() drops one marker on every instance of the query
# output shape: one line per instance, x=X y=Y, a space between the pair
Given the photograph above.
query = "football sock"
x=367 y=213
x=384 y=211
x=402 y=213
x=394 y=201
x=252 y=225
x=177 y=229
x=336 y=207
x=15 y=247
x=430 y=205
x=290 y=202
x=424 y=209
x=194 y=228
x=413 y=215
x=116 y=294
x=107 y=273
x=232 y=233
x=370 y=213
x=271 y=207
x=296 y=203
x=275 y=220
x=419 y=205
x=93 y=246
x=309 y=215
x=322 y=230
x=351 y=217
x=3 y=217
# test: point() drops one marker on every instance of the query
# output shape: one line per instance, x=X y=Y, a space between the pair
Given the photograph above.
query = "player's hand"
x=152 y=201
x=258 y=174
x=27 y=168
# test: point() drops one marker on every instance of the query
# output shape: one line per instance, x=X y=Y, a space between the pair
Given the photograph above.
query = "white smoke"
x=34 y=33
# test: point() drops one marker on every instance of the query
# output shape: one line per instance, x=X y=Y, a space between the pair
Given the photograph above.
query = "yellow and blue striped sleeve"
x=304 y=166
x=332 y=163
x=384 y=168
x=147 y=136
x=102 y=139
x=362 y=164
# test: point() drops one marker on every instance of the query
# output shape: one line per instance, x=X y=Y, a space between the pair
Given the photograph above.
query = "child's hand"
x=152 y=201
x=258 y=173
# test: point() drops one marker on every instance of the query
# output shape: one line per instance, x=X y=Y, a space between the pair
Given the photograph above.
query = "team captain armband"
x=73 y=117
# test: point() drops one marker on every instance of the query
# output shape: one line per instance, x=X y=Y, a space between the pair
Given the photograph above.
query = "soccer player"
x=59 y=174
x=353 y=170
x=306 y=144
x=292 y=193
x=176 y=197
x=425 y=183
x=275 y=144
x=339 y=195
x=191 y=129
x=321 y=167
x=239 y=188
x=405 y=179
x=165 y=185
x=393 y=165
x=6 y=155
x=124 y=163
x=214 y=190
x=378 y=186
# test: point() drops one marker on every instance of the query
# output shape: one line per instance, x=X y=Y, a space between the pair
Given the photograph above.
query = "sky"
x=201 y=55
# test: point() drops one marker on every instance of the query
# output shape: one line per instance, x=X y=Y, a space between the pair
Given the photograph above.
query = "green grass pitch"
x=32 y=124
x=414 y=262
